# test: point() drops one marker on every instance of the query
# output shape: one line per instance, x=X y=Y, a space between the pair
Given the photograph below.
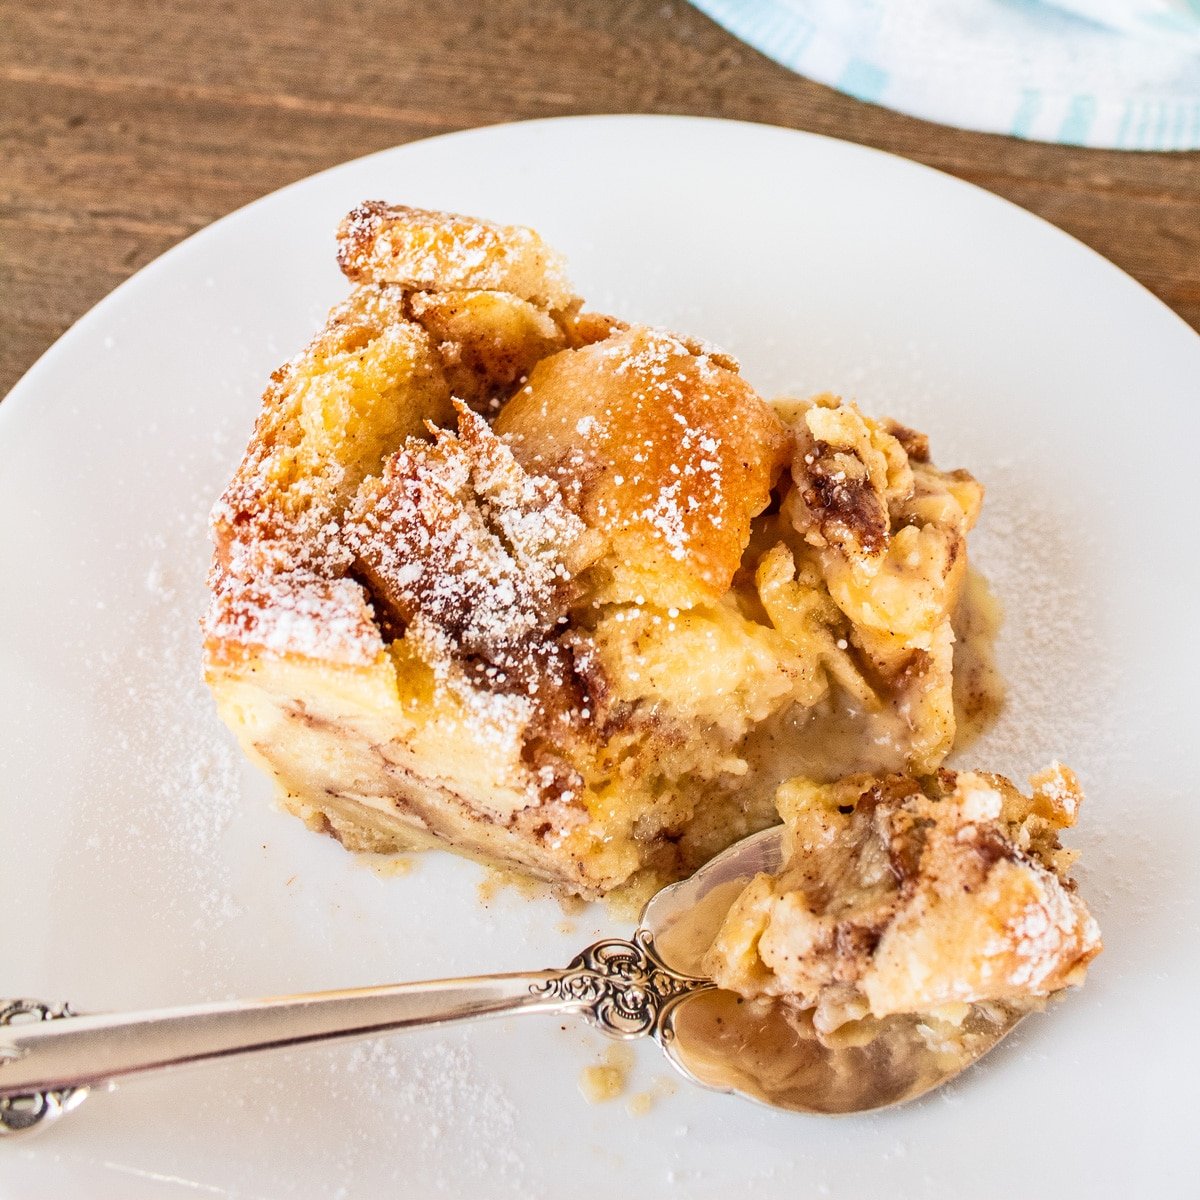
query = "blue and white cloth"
x=1116 y=73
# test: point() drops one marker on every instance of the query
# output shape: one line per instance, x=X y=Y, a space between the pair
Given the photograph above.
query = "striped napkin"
x=1115 y=73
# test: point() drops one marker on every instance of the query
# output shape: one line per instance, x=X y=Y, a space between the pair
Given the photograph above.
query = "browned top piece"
x=456 y=531
x=386 y=368
x=438 y=251
x=660 y=444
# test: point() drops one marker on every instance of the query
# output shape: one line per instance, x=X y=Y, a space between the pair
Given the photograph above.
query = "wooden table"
x=127 y=125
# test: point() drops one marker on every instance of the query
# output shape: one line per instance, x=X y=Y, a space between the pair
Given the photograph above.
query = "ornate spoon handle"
x=49 y=1056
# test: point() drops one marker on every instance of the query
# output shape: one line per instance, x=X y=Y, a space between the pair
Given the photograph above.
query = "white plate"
x=141 y=863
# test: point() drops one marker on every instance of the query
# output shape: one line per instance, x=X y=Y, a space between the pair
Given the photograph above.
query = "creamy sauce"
x=683 y=944
x=835 y=739
x=640 y=1103
x=768 y=1049
x=839 y=737
x=978 y=686
x=608 y=1079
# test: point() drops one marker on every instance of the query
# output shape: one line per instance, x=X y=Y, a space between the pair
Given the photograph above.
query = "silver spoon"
x=50 y=1056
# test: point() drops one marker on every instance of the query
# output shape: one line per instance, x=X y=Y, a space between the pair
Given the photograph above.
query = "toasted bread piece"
x=424 y=251
x=496 y=543
x=488 y=342
x=367 y=381
x=667 y=450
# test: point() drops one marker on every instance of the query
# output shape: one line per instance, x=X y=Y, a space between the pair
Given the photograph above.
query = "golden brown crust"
x=427 y=251
x=364 y=383
x=368 y=379
x=487 y=342
x=583 y=328
x=659 y=445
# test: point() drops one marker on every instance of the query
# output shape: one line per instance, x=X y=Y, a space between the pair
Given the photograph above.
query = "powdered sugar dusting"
x=676 y=478
x=694 y=479
x=298 y=613
x=458 y=533
x=469 y=552
x=433 y=1123
x=666 y=517
x=498 y=717
x=1050 y=650
x=159 y=752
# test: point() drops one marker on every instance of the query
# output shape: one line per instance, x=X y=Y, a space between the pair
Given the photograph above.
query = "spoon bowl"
x=768 y=1051
x=680 y=916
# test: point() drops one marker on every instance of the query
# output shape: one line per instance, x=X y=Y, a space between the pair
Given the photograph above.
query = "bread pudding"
x=922 y=896
x=562 y=593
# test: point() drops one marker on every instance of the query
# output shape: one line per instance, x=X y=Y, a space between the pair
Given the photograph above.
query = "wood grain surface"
x=127 y=125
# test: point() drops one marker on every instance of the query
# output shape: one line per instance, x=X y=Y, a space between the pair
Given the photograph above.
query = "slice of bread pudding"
x=912 y=896
x=560 y=593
